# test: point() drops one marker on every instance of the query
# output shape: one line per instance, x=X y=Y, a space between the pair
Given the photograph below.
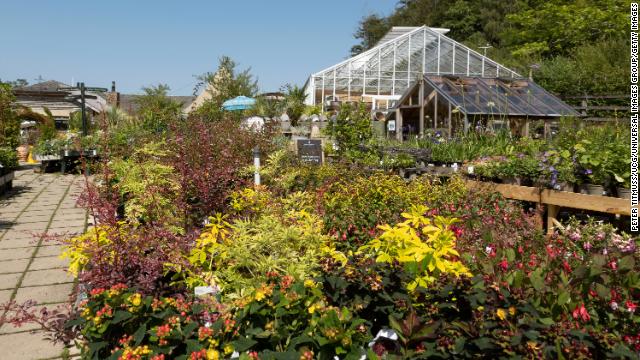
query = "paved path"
x=30 y=267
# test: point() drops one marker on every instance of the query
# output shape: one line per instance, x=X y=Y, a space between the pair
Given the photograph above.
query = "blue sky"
x=143 y=42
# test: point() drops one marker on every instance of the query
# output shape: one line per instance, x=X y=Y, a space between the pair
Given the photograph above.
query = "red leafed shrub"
x=209 y=157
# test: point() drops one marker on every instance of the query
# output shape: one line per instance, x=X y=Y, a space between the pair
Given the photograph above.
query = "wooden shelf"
x=554 y=199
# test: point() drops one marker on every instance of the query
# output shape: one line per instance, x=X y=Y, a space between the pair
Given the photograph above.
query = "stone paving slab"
x=49 y=262
x=30 y=267
x=13 y=266
x=19 y=253
x=44 y=277
x=25 y=345
x=9 y=281
x=44 y=294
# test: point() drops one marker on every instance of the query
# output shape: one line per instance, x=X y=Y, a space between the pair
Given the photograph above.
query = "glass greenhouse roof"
x=509 y=97
x=398 y=60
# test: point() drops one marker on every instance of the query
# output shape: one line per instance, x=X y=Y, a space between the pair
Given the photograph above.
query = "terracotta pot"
x=23 y=152
x=592 y=189
x=624 y=193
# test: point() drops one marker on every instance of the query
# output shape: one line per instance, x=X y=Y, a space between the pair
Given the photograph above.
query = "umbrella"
x=238 y=103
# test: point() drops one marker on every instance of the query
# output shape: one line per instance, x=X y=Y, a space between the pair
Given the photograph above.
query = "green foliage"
x=282 y=236
x=287 y=319
x=592 y=68
x=156 y=110
x=9 y=122
x=558 y=27
x=8 y=158
x=351 y=129
x=355 y=207
x=143 y=174
x=604 y=153
x=293 y=103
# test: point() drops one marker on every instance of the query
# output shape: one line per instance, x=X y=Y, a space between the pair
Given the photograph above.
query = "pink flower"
x=600 y=236
x=504 y=265
x=631 y=307
x=574 y=236
x=613 y=265
x=613 y=305
x=581 y=313
x=587 y=246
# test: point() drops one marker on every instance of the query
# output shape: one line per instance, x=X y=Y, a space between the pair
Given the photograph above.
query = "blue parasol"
x=238 y=103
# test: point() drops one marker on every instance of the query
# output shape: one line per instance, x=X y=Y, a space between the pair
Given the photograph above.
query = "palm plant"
x=293 y=103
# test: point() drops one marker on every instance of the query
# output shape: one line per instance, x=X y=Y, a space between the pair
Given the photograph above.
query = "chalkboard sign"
x=310 y=151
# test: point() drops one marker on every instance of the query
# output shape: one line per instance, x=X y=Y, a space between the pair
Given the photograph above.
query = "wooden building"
x=452 y=104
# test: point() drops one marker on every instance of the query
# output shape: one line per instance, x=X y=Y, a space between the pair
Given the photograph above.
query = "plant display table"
x=554 y=200
x=6 y=180
x=69 y=157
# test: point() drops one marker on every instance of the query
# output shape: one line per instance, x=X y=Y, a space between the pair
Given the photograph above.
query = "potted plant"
x=508 y=172
x=592 y=161
x=558 y=170
x=50 y=149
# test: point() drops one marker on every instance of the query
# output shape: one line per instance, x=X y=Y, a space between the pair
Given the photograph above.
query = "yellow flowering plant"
x=233 y=256
x=426 y=247
x=293 y=318
x=77 y=249
x=121 y=323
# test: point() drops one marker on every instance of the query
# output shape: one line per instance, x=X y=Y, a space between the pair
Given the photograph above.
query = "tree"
x=16 y=83
x=558 y=27
x=9 y=122
x=370 y=30
x=226 y=83
x=156 y=109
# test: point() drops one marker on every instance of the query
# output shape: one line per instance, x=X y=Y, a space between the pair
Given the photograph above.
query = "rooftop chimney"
x=113 y=98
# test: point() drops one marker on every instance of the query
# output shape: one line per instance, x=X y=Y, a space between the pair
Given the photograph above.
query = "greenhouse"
x=381 y=75
x=450 y=104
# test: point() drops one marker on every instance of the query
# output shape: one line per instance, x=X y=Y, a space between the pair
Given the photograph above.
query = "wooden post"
x=552 y=213
x=399 y=124
x=449 y=120
x=421 y=102
x=435 y=111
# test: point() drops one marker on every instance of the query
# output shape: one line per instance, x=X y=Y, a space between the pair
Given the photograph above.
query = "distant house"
x=58 y=99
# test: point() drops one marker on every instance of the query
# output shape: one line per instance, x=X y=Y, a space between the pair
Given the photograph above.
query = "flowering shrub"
x=426 y=247
x=353 y=208
x=120 y=323
x=283 y=236
x=291 y=318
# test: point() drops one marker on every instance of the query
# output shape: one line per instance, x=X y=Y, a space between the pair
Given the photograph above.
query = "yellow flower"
x=309 y=283
x=259 y=295
x=228 y=349
x=135 y=299
x=533 y=346
x=213 y=354
x=86 y=312
x=501 y=314
x=512 y=311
